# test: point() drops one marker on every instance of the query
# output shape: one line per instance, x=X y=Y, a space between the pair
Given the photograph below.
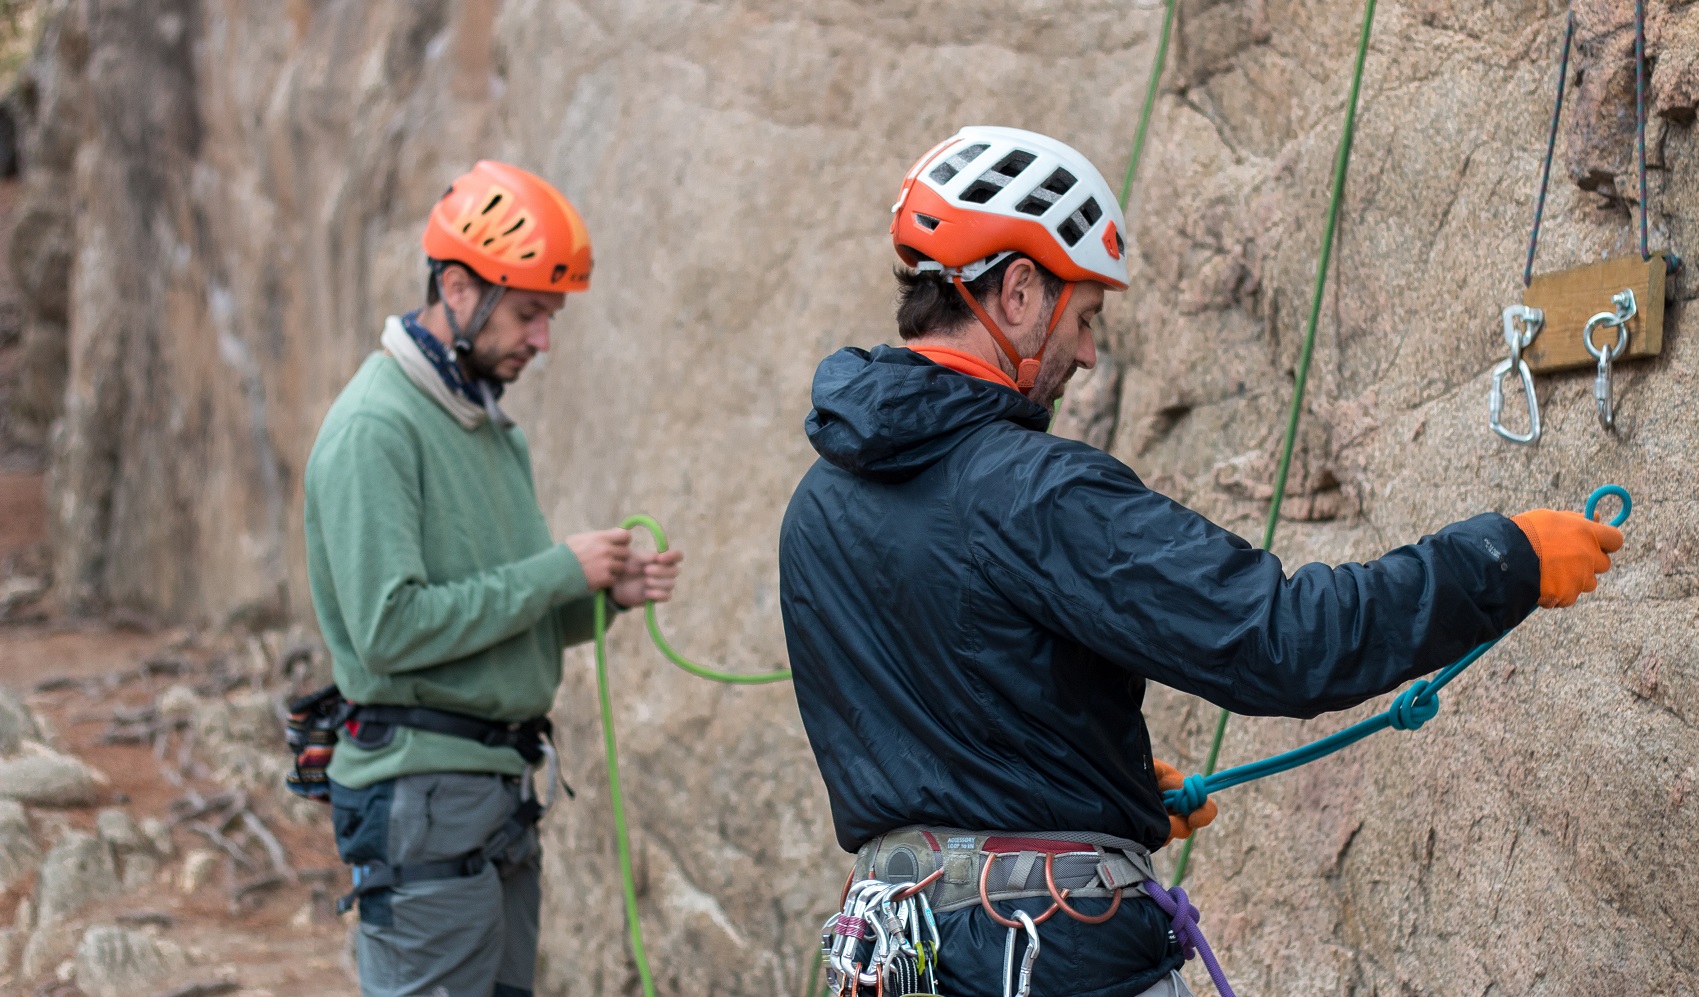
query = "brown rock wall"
x=239 y=187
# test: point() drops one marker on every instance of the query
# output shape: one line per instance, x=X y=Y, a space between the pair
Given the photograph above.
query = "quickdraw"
x=884 y=935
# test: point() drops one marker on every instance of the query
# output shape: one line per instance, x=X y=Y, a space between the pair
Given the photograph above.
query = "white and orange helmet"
x=987 y=193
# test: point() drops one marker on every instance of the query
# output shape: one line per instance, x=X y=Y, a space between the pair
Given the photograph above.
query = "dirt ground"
x=82 y=678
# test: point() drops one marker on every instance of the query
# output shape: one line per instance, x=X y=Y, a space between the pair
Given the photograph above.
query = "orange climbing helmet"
x=985 y=194
x=512 y=228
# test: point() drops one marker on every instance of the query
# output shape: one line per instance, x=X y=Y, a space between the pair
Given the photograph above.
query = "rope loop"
x=1414 y=707
x=1184 y=921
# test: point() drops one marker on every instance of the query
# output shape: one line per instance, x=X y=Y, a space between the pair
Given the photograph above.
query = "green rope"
x=1149 y=102
x=616 y=796
x=1341 y=164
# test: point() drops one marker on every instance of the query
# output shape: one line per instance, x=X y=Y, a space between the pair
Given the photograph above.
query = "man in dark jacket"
x=973 y=606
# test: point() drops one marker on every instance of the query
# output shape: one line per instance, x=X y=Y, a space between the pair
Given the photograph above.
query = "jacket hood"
x=890 y=413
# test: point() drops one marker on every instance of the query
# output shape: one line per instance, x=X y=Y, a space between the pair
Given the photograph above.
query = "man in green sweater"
x=446 y=604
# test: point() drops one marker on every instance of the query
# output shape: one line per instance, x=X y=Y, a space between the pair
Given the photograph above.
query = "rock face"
x=240 y=188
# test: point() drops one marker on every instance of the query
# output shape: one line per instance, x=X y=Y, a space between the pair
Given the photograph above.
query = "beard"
x=1053 y=374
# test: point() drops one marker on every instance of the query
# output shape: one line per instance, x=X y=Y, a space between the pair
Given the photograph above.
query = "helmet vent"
x=1059 y=182
x=515 y=226
x=1077 y=224
x=946 y=171
x=1046 y=193
x=1012 y=166
x=926 y=222
x=492 y=205
x=998 y=177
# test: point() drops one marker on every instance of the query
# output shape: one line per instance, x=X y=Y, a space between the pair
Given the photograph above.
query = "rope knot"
x=1414 y=707
x=1192 y=794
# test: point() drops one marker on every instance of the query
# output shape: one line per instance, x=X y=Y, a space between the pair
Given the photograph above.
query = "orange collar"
x=965 y=363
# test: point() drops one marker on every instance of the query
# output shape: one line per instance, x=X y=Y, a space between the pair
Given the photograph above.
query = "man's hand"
x=602 y=554
x=647 y=578
x=1573 y=551
x=1168 y=777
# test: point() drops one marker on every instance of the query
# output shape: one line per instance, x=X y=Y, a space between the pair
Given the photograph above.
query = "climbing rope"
x=1341 y=164
x=1551 y=147
x=1639 y=137
x=1149 y=102
x=616 y=795
x=1415 y=706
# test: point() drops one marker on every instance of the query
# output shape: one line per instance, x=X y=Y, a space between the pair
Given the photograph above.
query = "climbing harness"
x=1521 y=325
x=1618 y=319
x=1555 y=305
x=314 y=719
x=1341 y=164
x=1415 y=706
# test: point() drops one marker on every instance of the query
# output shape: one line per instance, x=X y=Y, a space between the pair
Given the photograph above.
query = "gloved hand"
x=1168 y=777
x=1573 y=552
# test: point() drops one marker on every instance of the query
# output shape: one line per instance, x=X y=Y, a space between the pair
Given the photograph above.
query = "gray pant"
x=464 y=936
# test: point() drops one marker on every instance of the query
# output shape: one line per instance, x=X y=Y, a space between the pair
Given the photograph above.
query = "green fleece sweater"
x=433 y=574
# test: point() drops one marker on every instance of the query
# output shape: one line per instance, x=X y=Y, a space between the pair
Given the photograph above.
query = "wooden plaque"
x=1570 y=297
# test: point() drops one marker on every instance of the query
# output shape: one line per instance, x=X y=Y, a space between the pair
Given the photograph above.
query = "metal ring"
x=1050 y=882
x=985 y=899
x=1602 y=491
x=1606 y=318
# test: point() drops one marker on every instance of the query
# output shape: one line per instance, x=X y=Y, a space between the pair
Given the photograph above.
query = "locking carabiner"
x=1626 y=308
x=1518 y=339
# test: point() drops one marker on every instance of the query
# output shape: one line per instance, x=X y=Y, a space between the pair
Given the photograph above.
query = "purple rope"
x=1186 y=930
x=1640 y=111
x=1551 y=147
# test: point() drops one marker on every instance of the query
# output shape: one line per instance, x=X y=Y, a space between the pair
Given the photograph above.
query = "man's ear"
x=458 y=288
x=1021 y=295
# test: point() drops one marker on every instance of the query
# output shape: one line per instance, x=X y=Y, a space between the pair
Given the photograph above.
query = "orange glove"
x=1168 y=777
x=1573 y=552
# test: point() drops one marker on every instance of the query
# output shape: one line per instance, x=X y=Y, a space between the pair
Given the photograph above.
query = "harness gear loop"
x=1060 y=897
x=985 y=899
x=1026 y=368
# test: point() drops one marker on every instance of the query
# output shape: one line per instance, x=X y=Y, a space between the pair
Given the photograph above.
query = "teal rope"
x=616 y=795
x=1341 y=164
x=1415 y=706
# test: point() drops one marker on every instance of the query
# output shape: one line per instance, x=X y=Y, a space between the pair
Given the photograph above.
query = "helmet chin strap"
x=1026 y=368
x=463 y=338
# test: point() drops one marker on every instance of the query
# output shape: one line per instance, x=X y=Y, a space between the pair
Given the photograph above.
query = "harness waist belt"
x=1010 y=865
x=525 y=737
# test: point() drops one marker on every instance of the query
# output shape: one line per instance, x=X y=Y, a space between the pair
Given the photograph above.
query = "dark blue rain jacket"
x=973 y=608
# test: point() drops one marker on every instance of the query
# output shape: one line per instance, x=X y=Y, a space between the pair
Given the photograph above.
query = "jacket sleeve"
x=1083 y=547
x=365 y=493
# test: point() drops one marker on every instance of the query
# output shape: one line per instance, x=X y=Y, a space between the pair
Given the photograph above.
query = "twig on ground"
x=273 y=847
x=229 y=847
x=211 y=988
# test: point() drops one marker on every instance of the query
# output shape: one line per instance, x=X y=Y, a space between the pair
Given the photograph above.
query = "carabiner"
x=1518 y=339
x=1626 y=308
x=1024 y=987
